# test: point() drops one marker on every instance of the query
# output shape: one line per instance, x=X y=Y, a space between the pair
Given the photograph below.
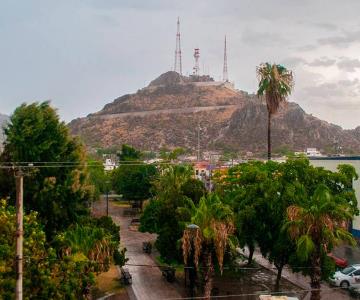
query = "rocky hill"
x=170 y=111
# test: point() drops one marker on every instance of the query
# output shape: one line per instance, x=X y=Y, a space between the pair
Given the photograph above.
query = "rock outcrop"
x=170 y=111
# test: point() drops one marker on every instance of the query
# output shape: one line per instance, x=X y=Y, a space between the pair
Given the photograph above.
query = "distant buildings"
x=109 y=164
x=313 y=152
x=310 y=152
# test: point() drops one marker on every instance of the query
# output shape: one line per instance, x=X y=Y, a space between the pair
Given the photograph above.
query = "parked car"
x=348 y=277
x=339 y=262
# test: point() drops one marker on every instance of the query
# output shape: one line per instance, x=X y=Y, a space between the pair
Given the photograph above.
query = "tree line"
x=293 y=212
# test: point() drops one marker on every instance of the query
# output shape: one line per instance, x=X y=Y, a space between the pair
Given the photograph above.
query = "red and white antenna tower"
x=196 y=56
x=178 y=64
x=225 y=68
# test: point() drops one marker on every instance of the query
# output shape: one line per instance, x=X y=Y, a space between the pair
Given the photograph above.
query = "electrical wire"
x=266 y=292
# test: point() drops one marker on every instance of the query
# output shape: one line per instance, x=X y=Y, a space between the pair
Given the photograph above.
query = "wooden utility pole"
x=19 y=236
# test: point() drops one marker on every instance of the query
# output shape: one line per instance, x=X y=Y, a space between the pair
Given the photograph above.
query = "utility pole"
x=198 y=142
x=19 y=235
x=107 y=197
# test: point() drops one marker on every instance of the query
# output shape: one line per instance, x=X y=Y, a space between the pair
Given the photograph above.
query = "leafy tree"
x=45 y=275
x=193 y=189
x=59 y=193
x=245 y=188
x=171 y=155
x=98 y=178
x=134 y=181
x=149 y=220
x=210 y=238
x=166 y=213
x=260 y=194
x=276 y=83
x=128 y=153
x=316 y=223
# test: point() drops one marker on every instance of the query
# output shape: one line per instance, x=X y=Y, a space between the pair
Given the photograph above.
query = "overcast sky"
x=84 y=54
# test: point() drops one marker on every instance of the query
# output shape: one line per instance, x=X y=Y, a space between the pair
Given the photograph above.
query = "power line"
x=266 y=292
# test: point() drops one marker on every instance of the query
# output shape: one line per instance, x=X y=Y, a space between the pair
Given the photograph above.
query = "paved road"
x=163 y=111
x=147 y=281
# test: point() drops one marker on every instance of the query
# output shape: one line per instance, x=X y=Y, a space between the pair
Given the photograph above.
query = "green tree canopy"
x=45 y=275
x=57 y=186
x=261 y=192
x=318 y=223
x=134 y=181
x=128 y=153
x=167 y=212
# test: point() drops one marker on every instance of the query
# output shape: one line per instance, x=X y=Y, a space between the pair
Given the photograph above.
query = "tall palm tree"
x=317 y=225
x=209 y=238
x=276 y=83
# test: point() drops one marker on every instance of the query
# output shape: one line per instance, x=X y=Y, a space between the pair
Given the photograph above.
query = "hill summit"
x=173 y=109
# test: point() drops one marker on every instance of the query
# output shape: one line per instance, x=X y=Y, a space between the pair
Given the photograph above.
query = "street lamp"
x=191 y=265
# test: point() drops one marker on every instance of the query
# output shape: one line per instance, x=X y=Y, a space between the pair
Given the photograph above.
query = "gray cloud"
x=109 y=48
x=267 y=39
x=342 y=94
x=322 y=62
x=326 y=26
x=293 y=61
x=306 y=48
x=344 y=40
x=348 y=64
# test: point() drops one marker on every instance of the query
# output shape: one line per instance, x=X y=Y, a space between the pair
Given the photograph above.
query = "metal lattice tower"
x=178 y=63
x=196 y=67
x=225 y=69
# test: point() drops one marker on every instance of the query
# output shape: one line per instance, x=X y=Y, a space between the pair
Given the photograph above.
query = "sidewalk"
x=147 y=280
x=300 y=280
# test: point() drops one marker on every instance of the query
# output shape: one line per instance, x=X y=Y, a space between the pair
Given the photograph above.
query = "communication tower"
x=225 y=68
x=178 y=63
x=196 y=67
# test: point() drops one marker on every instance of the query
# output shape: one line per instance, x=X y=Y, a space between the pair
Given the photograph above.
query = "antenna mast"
x=196 y=56
x=178 y=64
x=225 y=69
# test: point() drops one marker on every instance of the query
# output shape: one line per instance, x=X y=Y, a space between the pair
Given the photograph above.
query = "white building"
x=313 y=152
x=109 y=164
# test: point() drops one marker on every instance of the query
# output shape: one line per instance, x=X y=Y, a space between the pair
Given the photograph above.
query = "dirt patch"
x=108 y=283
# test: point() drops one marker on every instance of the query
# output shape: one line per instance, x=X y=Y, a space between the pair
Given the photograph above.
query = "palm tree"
x=90 y=243
x=317 y=225
x=276 y=83
x=209 y=238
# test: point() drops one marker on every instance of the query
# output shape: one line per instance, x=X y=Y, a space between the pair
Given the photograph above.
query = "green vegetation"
x=133 y=179
x=251 y=206
x=167 y=213
x=214 y=221
x=318 y=223
x=63 y=246
x=60 y=194
x=275 y=83
x=128 y=153
x=261 y=194
x=45 y=275
x=100 y=180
